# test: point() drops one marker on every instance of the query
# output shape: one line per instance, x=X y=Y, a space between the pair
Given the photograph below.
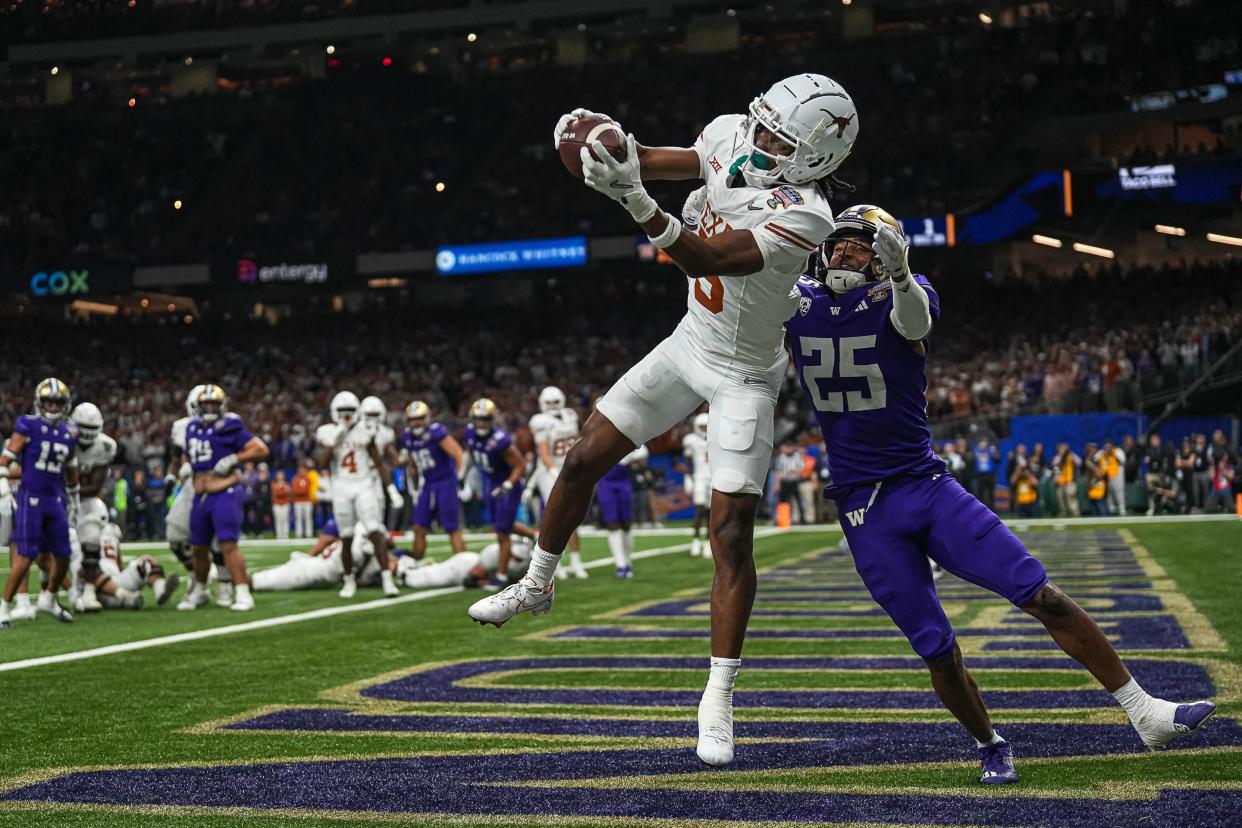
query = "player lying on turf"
x=859 y=342
x=118 y=584
x=769 y=176
x=47 y=502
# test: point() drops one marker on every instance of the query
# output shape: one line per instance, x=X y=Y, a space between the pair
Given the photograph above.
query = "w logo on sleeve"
x=856 y=516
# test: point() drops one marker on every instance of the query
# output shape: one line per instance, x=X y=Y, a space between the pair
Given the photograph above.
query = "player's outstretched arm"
x=669 y=163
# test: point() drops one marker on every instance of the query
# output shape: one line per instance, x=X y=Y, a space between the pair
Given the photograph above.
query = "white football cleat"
x=224 y=595
x=520 y=597
x=243 y=603
x=577 y=570
x=89 y=600
x=562 y=572
x=48 y=603
x=1166 y=721
x=388 y=585
x=349 y=587
x=715 y=733
x=694 y=547
x=194 y=598
x=23 y=612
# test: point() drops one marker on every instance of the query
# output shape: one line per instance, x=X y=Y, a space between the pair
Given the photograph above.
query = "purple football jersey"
x=207 y=443
x=48 y=446
x=488 y=452
x=433 y=462
x=867 y=383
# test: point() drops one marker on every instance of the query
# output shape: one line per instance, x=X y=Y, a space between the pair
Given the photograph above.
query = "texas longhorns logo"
x=839 y=121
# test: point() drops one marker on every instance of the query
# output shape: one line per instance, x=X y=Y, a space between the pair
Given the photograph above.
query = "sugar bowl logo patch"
x=784 y=196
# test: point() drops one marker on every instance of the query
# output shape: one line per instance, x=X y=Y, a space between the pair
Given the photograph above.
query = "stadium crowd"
x=949 y=111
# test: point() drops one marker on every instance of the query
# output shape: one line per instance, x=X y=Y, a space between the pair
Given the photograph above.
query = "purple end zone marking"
x=451 y=784
x=1166 y=679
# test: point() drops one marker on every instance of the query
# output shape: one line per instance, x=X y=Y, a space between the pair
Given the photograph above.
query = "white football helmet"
x=373 y=411
x=191 y=401
x=551 y=400
x=89 y=421
x=344 y=408
x=700 y=424
x=813 y=116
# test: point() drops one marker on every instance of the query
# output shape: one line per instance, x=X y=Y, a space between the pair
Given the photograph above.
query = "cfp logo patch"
x=60 y=283
x=804 y=305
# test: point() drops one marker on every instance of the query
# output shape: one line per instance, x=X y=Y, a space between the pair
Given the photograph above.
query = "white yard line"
x=281 y=620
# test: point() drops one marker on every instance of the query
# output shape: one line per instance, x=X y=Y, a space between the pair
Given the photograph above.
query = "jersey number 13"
x=838 y=402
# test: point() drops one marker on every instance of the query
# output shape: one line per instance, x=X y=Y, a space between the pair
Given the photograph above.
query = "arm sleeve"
x=788 y=239
x=911 y=313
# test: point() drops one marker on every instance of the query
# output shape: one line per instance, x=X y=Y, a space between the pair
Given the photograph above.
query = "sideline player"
x=694 y=446
x=555 y=429
x=348 y=445
x=491 y=448
x=435 y=457
x=218 y=445
x=615 y=494
x=47 y=502
x=859 y=341
x=769 y=175
x=96 y=451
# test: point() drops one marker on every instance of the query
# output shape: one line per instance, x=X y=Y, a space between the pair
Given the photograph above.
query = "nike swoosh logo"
x=752 y=206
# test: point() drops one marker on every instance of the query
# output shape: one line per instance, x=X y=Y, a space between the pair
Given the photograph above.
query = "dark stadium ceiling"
x=496 y=25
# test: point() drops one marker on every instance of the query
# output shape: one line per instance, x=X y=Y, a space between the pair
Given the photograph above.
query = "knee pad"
x=182 y=550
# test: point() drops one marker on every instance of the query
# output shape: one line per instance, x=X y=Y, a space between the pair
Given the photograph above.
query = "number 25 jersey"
x=867 y=383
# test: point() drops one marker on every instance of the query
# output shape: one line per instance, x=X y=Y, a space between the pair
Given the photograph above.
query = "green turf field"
x=405 y=712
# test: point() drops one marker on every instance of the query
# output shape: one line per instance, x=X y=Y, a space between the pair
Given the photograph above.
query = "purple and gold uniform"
x=488 y=449
x=41 y=523
x=616 y=490
x=438 y=494
x=898 y=504
x=217 y=514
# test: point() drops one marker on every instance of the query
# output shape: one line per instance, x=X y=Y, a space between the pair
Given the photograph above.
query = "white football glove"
x=6 y=491
x=562 y=123
x=619 y=180
x=225 y=464
x=693 y=207
x=465 y=493
x=8 y=503
x=502 y=489
x=185 y=472
x=893 y=252
x=394 y=496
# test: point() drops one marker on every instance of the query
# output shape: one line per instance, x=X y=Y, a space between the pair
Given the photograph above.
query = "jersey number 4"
x=713 y=297
x=839 y=402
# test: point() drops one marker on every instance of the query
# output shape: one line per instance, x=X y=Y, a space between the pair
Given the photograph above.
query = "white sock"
x=542 y=567
x=617 y=547
x=1133 y=699
x=575 y=559
x=241 y=591
x=4 y=607
x=200 y=586
x=721 y=677
x=348 y=579
x=158 y=585
x=23 y=600
x=994 y=740
x=627 y=540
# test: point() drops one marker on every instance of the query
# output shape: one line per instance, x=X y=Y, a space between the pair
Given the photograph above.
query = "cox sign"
x=60 y=283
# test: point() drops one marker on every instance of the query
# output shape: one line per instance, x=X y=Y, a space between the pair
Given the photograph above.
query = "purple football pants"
x=895 y=525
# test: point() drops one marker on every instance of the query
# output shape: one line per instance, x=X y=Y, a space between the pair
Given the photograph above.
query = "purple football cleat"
x=1191 y=717
x=997 y=764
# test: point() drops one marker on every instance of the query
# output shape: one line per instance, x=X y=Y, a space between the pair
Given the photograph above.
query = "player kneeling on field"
x=119 y=584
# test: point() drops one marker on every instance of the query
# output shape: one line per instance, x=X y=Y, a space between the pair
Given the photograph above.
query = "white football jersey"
x=694 y=446
x=559 y=430
x=384 y=436
x=99 y=453
x=177 y=435
x=736 y=321
x=351 y=461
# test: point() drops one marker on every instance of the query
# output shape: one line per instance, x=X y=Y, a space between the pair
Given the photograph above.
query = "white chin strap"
x=843 y=280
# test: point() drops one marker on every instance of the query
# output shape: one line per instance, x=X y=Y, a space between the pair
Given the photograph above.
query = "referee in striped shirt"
x=790 y=466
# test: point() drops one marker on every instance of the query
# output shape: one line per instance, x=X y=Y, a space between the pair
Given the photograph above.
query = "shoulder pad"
x=229 y=423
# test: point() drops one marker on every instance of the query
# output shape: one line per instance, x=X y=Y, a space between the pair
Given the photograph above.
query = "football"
x=581 y=132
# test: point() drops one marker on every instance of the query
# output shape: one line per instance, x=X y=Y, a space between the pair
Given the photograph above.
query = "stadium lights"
x=189 y=61
x=133 y=102
x=1046 y=241
x=55 y=70
x=1091 y=249
x=439 y=186
x=472 y=37
x=387 y=61
x=330 y=49
x=1220 y=238
x=843 y=3
x=1170 y=230
x=177 y=204
x=985 y=18
x=731 y=12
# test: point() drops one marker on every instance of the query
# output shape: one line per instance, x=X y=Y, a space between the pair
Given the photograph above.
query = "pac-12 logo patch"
x=804 y=305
